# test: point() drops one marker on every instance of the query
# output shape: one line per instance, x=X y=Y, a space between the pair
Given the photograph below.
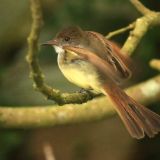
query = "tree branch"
x=142 y=25
x=47 y=116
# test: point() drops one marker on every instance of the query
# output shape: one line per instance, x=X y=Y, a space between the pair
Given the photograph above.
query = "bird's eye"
x=67 y=39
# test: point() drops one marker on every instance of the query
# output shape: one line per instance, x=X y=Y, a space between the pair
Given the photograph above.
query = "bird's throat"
x=59 y=49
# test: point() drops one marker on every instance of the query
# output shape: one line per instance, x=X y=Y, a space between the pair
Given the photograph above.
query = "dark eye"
x=67 y=39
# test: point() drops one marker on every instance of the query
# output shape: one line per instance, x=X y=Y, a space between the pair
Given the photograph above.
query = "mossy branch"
x=47 y=116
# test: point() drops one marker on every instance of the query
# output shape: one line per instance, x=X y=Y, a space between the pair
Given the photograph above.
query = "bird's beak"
x=51 y=42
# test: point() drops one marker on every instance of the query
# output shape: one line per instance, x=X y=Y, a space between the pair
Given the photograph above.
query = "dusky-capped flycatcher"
x=89 y=60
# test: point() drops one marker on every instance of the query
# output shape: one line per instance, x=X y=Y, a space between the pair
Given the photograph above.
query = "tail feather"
x=154 y=119
x=138 y=119
x=131 y=124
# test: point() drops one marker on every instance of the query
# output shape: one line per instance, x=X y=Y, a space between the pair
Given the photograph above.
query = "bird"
x=92 y=62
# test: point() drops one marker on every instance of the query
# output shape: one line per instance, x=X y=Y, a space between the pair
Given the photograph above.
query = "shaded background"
x=106 y=139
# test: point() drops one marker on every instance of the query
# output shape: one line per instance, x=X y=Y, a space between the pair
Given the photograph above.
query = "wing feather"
x=111 y=54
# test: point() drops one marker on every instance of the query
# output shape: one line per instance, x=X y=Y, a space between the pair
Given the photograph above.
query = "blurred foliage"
x=9 y=140
x=98 y=15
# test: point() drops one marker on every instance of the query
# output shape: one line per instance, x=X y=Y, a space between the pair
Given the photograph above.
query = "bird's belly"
x=81 y=73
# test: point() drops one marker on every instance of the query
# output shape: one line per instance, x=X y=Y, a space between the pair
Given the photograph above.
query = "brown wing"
x=100 y=64
x=111 y=54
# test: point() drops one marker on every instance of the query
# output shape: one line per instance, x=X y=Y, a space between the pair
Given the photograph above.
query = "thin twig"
x=121 y=30
x=48 y=152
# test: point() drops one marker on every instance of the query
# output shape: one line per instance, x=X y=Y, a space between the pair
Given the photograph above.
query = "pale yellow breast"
x=79 y=72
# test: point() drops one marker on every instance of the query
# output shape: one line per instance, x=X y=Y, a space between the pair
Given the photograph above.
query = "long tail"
x=138 y=119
